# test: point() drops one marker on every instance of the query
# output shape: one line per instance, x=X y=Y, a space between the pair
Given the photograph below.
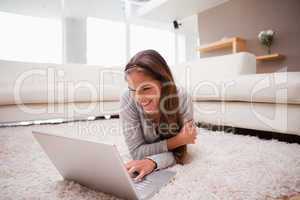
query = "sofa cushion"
x=24 y=83
x=283 y=87
x=282 y=118
x=189 y=74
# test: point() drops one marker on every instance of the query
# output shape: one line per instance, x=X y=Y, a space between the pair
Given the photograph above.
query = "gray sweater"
x=140 y=134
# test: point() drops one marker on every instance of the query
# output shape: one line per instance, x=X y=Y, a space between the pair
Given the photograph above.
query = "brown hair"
x=154 y=65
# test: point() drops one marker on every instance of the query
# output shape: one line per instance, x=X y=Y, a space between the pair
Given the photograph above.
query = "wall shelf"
x=274 y=56
x=237 y=44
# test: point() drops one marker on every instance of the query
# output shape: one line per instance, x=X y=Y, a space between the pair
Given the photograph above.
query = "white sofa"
x=225 y=91
x=267 y=102
x=31 y=91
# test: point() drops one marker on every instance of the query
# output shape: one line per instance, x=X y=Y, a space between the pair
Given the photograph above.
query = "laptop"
x=98 y=166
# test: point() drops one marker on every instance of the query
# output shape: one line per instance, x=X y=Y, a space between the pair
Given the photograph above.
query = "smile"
x=146 y=104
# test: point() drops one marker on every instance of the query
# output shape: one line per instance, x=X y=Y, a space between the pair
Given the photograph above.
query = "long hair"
x=154 y=65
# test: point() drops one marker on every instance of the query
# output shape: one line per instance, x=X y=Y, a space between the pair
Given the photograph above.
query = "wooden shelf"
x=274 y=56
x=237 y=44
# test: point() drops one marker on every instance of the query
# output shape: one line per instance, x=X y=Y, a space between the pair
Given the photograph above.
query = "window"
x=106 y=42
x=181 y=50
x=30 y=39
x=163 y=41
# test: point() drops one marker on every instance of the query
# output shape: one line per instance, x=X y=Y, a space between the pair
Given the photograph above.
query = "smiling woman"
x=156 y=116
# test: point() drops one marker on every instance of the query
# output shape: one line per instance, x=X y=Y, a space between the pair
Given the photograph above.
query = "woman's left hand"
x=143 y=167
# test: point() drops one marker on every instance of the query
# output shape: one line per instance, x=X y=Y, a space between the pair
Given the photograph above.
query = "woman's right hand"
x=188 y=134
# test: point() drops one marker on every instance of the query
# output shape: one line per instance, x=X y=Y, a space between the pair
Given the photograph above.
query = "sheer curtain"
x=30 y=39
x=106 y=42
x=163 y=41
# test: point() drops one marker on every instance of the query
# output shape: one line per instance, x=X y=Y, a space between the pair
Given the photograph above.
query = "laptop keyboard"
x=143 y=185
x=152 y=183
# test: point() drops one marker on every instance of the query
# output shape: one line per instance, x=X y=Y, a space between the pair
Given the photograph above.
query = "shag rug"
x=221 y=166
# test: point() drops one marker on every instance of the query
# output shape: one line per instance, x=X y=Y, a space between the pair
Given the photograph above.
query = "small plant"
x=266 y=39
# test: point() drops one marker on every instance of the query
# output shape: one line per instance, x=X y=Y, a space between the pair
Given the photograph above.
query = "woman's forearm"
x=187 y=135
x=174 y=142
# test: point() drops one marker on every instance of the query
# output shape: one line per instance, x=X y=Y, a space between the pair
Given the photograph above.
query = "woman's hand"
x=187 y=135
x=143 y=167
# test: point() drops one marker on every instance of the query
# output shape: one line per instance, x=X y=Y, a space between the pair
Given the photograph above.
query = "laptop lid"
x=95 y=165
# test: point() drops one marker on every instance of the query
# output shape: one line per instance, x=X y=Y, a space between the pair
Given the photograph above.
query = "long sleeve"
x=132 y=131
x=163 y=160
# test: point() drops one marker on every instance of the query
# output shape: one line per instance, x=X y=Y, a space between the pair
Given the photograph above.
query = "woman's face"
x=146 y=91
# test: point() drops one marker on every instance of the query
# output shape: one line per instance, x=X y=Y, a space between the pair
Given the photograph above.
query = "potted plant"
x=266 y=39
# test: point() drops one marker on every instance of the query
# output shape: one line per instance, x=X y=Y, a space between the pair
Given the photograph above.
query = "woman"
x=156 y=116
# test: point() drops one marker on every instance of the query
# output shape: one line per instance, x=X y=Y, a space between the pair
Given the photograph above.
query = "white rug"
x=222 y=166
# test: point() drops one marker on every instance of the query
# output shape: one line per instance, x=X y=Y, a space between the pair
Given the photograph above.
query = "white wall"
x=189 y=29
x=74 y=31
